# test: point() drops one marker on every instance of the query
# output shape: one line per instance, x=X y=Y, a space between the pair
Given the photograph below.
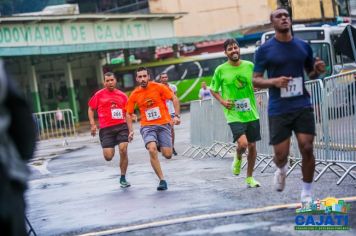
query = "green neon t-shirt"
x=235 y=83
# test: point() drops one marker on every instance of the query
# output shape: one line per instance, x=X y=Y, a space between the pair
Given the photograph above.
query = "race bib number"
x=243 y=104
x=116 y=114
x=295 y=88
x=153 y=114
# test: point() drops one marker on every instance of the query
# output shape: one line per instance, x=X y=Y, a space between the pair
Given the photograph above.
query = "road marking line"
x=201 y=217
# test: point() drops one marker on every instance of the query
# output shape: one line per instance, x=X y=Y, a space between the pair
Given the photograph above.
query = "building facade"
x=229 y=15
x=58 y=60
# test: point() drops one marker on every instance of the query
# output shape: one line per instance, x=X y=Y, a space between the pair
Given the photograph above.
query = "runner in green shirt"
x=234 y=79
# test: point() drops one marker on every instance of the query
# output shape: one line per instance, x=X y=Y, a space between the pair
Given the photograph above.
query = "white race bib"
x=243 y=104
x=153 y=114
x=116 y=114
x=295 y=88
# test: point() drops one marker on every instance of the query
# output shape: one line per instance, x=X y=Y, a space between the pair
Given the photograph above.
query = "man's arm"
x=176 y=105
x=260 y=82
x=226 y=103
x=318 y=68
x=129 y=125
x=200 y=94
x=130 y=108
x=92 y=121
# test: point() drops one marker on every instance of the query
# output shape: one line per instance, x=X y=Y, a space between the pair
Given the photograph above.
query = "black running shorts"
x=250 y=129
x=113 y=135
x=281 y=126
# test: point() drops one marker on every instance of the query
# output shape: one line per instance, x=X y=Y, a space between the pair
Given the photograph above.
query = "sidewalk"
x=51 y=148
x=48 y=149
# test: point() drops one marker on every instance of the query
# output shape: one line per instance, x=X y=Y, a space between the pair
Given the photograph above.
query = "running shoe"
x=279 y=180
x=174 y=152
x=236 y=166
x=252 y=183
x=162 y=185
x=306 y=197
x=124 y=183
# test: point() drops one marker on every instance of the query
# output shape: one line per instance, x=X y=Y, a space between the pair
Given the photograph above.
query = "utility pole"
x=322 y=10
x=334 y=8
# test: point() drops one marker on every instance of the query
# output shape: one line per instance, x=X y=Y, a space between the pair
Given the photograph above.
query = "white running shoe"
x=279 y=180
x=306 y=197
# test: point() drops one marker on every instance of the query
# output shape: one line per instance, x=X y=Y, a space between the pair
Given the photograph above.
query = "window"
x=210 y=65
x=128 y=80
x=322 y=50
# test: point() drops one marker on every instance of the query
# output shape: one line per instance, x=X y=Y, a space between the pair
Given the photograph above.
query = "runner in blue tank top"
x=285 y=59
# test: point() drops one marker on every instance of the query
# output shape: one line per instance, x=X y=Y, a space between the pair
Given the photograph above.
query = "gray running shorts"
x=161 y=134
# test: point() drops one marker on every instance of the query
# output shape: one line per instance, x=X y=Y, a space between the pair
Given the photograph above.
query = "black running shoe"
x=124 y=183
x=162 y=185
x=174 y=152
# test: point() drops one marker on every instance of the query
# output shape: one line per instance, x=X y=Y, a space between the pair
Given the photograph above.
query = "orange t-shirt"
x=151 y=102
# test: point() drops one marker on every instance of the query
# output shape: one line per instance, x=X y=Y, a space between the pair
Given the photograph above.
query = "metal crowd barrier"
x=340 y=131
x=212 y=137
x=30 y=230
x=334 y=104
x=264 y=150
x=55 y=124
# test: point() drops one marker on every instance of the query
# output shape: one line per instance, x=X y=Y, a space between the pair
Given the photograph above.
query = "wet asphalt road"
x=279 y=222
x=78 y=192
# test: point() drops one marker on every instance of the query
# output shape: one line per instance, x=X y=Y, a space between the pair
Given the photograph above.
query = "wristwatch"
x=177 y=116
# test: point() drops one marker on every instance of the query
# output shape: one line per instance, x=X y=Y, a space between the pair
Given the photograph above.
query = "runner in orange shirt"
x=155 y=129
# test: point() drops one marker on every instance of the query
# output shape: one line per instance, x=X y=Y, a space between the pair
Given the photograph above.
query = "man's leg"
x=241 y=146
x=251 y=158
x=108 y=153
x=166 y=152
x=173 y=136
x=281 y=152
x=253 y=134
x=238 y=132
x=108 y=142
x=124 y=161
x=304 y=128
x=305 y=143
x=152 y=149
x=164 y=139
